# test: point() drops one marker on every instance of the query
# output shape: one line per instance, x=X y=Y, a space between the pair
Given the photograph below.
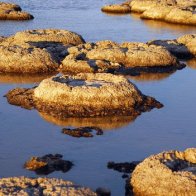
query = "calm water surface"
x=26 y=133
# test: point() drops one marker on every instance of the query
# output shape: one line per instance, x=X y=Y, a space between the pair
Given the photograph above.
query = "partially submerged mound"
x=41 y=186
x=116 y=8
x=47 y=164
x=181 y=11
x=126 y=58
x=88 y=95
x=183 y=47
x=49 y=35
x=9 y=11
x=167 y=173
x=85 y=95
x=36 y=51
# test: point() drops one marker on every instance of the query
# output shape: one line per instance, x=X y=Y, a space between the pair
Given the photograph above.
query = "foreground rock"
x=10 y=11
x=88 y=95
x=48 y=164
x=180 y=11
x=167 y=173
x=183 y=47
x=41 y=187
x=36 y=51
x=126 y=58
x=82 y=132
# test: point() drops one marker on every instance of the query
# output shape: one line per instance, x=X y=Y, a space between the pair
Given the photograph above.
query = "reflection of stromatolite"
x=105 y=123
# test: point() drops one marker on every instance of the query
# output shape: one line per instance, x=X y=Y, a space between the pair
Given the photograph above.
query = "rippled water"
x=26 y=133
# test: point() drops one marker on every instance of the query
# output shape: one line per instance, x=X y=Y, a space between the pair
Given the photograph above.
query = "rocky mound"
x=167 y=173
x=41 y=186
x=184 y=47
x=180 y=11
x=84 y=95
x=126 y=58
x=10 y=11
x=36 y=51
x=88 y=95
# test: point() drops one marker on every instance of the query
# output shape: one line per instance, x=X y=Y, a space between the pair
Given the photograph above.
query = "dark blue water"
x=25 y=133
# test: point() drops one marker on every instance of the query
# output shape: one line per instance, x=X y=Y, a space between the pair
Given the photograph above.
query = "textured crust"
x=41 y=186
x=167 y=173
x=125 y=58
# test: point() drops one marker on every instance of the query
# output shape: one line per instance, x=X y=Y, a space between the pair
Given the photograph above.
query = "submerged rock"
x=82 y=131
x=22 y=97
x=36 y=51
x=9 y=11
x=184 y=47
x=180 y=11
x=126 y=58
x=48 y=164
x=167 y=173
x=89 y=95
x=41 y=186
x=103 y=192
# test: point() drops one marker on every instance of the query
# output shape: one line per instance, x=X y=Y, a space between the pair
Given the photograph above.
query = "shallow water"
x=26 y=133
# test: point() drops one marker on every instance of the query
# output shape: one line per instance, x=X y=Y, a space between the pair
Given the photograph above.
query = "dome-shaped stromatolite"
x=88 y=95
x=108 y=56
x=36 y=51
x=49 y=35
x=184 y=47
x=10 y=11
x=167 y=173
x=41 y=186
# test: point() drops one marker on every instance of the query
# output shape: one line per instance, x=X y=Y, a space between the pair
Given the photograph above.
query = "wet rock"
x=167 y=173
x=10 y=11
x=82 y=131
x=36 y=51
x=126 y=58
x=22 y=97
x=183 y=47
x=103 y=192
x=181 y=11
x=126 y=167
x=91 y=95
x=48 y=164
x=41 y=186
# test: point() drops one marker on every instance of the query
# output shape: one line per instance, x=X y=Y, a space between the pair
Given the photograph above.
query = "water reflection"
x=192 y=63
x=150 y=76
x=105 y=123
x=154 y=24
x=24 y=78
